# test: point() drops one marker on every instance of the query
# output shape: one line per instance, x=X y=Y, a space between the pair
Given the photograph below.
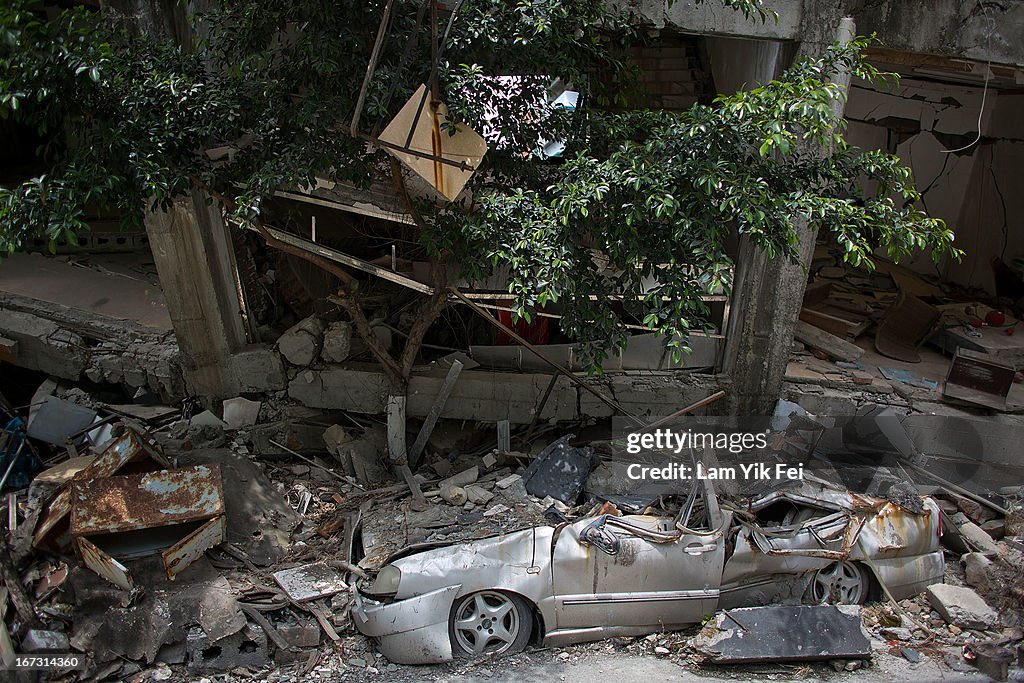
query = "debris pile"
x=154 y=538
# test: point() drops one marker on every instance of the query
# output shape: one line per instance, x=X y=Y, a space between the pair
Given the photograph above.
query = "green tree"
x=130 y=112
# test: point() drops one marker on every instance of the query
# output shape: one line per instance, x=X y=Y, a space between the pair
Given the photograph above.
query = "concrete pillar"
x=196 y=267
x=768 y=294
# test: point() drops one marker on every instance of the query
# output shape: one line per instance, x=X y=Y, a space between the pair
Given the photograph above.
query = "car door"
x=638 y=571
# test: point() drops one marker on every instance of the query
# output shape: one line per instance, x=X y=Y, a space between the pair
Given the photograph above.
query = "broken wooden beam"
x=435 y=412
x=835 y=347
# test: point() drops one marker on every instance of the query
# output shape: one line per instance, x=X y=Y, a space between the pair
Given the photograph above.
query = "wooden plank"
x=829 y=343
x=435 y=413
x=835 y=324
x=345 y=259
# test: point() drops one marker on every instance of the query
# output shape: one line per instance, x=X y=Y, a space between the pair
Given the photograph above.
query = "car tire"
x=840 y=583
x=489 y=623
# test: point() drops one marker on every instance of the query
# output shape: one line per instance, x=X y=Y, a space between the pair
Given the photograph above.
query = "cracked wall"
x=977 y=191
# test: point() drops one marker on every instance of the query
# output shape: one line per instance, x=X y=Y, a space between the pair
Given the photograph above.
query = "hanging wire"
x=984 y=92
x=981 y=113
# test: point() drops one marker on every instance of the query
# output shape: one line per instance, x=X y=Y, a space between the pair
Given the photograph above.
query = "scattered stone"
x=301 y=343
x=40 y=641
x=991 y=659
x=662 y=651
x=912 y=656
x=954 y=630
x=961 y=606
x=896 y=633
x=508 y=481
x=955 y=661
x=978 y=569
x=478 y=495
x=454 y=495
x=241 y=412
x=300 y=635
x=996 y=528
x=337 y=343
x=489 y=460
x=162 y=672
x=496 y=510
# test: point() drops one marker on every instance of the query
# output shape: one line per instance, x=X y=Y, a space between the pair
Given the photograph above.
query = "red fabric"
x=535 y=332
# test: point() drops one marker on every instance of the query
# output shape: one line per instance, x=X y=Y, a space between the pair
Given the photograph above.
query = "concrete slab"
x=108 y=294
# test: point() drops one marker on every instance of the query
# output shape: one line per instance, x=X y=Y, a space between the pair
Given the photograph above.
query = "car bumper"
x=908 y=576
x=410 y=631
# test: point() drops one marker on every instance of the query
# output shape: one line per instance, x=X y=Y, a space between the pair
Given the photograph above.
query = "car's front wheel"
x=489 y=622
x=840 y=583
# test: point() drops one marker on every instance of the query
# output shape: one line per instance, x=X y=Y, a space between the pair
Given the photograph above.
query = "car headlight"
x=386 y=582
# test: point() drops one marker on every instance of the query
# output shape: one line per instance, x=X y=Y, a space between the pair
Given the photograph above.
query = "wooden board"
x=838 y=325
x=829 y=343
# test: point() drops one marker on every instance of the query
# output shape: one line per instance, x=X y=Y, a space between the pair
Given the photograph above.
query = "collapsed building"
x=192 y=310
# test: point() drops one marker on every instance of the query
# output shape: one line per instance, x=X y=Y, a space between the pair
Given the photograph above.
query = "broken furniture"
x=978 y=378
x=179 y=512
x=147 y=509
x=835 y=316
x=906 y=327
x=127 y=454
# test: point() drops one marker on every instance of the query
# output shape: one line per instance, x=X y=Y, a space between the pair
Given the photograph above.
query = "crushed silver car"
x=627 y=575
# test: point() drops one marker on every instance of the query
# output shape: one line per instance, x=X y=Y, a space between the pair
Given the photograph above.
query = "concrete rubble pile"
x=281 y=514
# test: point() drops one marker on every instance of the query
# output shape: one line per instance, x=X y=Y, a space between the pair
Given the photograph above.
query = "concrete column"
x=768 y=294
x=194 y=261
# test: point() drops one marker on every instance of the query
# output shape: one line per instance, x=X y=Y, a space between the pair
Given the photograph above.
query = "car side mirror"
x=599 y=536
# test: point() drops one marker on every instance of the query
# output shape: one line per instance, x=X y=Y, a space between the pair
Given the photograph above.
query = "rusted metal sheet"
x=51 y=533
x=104 y=565
x=131 y=447
x=154 y=499
x=191 y=548
x=131 y=450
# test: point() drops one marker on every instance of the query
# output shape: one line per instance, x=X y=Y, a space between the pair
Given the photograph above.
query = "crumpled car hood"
x=504 y=561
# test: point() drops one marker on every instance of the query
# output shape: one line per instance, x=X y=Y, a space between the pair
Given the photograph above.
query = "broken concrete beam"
x=463 y=478
x=961 y=606
x=784 y=634
x=302 y=342
x=247 y=648
x=975 y=536
x=258 y=369
x=337 y=343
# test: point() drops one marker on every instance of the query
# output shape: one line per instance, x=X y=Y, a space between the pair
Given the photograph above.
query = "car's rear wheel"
x=491 y=623
x=840 y=583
